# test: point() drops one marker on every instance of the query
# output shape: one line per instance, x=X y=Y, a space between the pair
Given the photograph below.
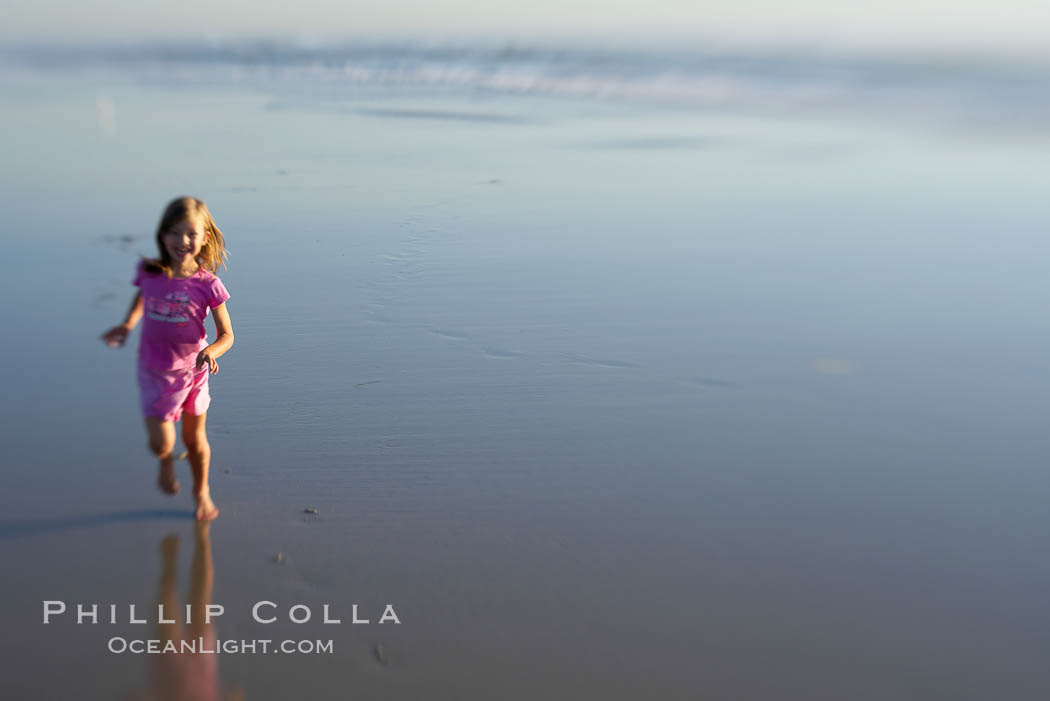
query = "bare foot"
x=166 y=479
x=206 y=509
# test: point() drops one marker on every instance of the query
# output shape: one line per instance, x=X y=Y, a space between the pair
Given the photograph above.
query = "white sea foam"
x=976 y=92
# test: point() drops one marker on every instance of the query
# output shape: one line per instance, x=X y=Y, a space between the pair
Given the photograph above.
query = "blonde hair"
x=213 y=252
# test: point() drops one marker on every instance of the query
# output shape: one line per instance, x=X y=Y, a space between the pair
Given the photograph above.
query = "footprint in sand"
x=380 y=654
x=122 y=242
x=102 y=298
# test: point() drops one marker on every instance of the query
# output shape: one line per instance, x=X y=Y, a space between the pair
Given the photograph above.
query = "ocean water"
x=616 y=373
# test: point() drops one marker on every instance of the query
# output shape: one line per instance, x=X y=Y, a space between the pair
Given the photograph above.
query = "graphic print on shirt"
x=173 y=308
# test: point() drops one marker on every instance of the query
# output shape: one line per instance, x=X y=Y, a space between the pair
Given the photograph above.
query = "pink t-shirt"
x=173 y=313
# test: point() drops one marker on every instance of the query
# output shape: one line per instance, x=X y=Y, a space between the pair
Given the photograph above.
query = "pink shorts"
x=166 y=393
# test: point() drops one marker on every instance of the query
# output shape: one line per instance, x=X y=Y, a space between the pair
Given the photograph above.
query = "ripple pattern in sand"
x=395 y=295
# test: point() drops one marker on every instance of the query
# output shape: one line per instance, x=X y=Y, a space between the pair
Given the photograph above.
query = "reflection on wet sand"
x=186 y=676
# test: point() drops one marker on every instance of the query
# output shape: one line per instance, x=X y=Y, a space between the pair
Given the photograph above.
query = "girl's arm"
x=223 y=339
x=117 y=335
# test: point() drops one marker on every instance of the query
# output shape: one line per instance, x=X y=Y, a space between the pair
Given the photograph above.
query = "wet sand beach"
x=606 y=397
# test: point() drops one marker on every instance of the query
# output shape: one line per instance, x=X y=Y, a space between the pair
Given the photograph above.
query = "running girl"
x=176 y=290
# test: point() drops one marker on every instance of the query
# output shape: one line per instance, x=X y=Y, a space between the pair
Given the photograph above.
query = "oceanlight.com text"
x=206 y=646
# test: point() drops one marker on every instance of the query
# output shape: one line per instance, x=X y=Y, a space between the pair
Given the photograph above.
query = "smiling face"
x=184 y=240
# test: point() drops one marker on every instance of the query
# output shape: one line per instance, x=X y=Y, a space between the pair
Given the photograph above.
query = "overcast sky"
x=933 y=24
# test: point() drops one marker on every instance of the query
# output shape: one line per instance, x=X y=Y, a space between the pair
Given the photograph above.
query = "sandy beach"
x=606 y=396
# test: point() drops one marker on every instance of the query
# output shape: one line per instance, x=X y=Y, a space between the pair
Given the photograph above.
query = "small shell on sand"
x=311 y=510
x=279 y=557
x=380 y=653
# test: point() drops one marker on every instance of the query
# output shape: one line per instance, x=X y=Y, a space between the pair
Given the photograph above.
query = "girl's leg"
x=196 y=440
x=162 y=443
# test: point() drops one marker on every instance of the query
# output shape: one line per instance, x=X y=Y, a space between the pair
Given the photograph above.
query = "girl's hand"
x=205 y=357
x=116 y=336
